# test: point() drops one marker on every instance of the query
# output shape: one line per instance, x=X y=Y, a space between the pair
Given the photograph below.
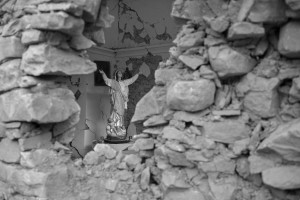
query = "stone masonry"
x=221 y=123
x=224 y=113
x=42 y=41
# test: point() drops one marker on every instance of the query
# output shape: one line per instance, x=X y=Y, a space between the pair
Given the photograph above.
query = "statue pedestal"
x=116 y=140
x=119 y=141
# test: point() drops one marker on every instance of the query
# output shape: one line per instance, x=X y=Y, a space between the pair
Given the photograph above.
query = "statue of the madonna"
x=115 y=129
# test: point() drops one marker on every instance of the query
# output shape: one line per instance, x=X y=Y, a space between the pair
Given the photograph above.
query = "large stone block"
x=284 y=177
x=191 y=95
x=55 y=21
x=229 y=63
x=10 y=74
x=242 y=30
x=268 y=11
x=261 y=96
x=150 y=104
x=227 y=131
x=284 y=140
x=289 y=43
x=41 y=105
x=13 y=48
x=9 y=151
x=45 y=59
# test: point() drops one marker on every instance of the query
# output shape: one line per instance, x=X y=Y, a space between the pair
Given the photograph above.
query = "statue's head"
x=118 y=75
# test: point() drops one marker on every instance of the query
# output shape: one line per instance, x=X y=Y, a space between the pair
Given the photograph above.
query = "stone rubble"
x=42 y=41
x=228 y=128
x=221 y=122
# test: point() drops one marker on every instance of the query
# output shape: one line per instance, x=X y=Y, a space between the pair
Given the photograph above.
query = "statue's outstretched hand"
x=101 y=71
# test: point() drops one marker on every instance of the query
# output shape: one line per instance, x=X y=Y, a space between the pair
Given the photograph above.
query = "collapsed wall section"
x=42 y=42
x=222 y=121
x=224 y=113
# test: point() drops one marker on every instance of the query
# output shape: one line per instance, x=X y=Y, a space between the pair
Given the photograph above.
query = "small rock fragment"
x=9 y=151
x=13 y=48
x=91 y=158
x=245 y=9
x=145 y=178
x=144 y=144
x=132 y=160
x=105 y=150
x=219 y=24
x=193 y=61
x=289 y=44
x=111 y=184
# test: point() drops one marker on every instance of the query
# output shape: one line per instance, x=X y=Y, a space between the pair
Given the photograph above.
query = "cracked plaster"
x=140 y=23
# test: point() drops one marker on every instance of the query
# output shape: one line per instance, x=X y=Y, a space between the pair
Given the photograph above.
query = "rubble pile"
x=222 y=121
x=42 y=42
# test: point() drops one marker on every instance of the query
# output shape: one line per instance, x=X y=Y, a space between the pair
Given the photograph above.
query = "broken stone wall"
x=43 y=42
x=223 y=118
